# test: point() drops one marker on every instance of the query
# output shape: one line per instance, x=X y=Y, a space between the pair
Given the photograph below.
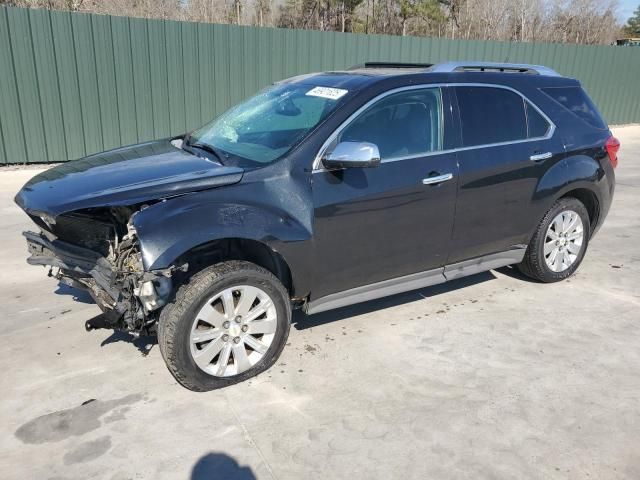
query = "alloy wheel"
x=563 y=241
x=233 y=331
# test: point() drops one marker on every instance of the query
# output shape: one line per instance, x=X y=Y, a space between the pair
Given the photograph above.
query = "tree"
x=262 y=13
x=563 y=21
x=423 y=14
x=632 y=28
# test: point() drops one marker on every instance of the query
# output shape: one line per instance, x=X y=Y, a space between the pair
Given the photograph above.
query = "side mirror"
x=352 y=155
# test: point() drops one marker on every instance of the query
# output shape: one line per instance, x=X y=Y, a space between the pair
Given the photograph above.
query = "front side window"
x=265 y=127
x=404 y=124
x=491 y=115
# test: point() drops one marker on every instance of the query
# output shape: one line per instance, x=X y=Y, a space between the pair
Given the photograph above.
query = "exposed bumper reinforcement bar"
x=81 y=261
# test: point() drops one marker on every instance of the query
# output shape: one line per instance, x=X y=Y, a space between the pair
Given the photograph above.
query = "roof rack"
x=464 y=66
x=390 y=65
x=494 y=67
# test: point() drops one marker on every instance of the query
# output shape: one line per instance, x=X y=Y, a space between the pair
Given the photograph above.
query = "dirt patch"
x=88 y=451
x=75 y=421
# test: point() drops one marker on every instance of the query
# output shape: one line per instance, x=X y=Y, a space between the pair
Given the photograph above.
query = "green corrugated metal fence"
x=73 y=84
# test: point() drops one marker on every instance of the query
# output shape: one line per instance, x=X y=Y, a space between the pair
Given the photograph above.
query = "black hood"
x=124 y=176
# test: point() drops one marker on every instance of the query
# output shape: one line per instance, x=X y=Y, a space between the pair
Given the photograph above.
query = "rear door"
x=506 y=146
x=374 y=224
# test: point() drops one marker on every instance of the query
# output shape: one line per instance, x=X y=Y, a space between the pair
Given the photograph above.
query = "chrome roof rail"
x=389 y=65
x=472 y=66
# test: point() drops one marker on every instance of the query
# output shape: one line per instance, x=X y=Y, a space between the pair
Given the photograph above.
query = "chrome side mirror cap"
x=352 y=155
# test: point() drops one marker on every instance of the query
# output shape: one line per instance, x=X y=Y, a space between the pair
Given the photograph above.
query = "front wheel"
x=228 y=323
x=559 y=243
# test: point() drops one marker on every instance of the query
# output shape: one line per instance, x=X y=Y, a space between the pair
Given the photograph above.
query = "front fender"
x=168 y=229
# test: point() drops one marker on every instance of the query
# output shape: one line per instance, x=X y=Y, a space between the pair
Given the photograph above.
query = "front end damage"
x=98 y=251
x=86 y=210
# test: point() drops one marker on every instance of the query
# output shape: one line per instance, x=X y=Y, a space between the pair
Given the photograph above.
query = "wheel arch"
x=236 y=248
x=590 y=201
x=226 y=230
x=578 y=176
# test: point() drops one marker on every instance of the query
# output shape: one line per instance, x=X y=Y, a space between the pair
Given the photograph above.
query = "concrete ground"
x=489 y=377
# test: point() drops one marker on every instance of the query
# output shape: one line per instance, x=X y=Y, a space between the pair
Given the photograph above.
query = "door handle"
x=540 y=156
x=437 y=179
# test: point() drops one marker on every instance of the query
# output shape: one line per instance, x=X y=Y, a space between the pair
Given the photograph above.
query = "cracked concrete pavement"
x=491 y=376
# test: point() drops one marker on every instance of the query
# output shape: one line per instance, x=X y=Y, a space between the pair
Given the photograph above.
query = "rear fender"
x=574 y=172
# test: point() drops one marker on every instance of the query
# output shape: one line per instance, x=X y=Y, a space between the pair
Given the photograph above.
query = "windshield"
x=265 y=127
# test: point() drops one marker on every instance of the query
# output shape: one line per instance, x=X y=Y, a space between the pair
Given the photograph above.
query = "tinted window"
x=404 y=124
x=491 y=115
x=577 y=102
x=537 y=125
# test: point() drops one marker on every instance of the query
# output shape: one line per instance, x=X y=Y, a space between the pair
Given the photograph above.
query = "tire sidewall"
x=198 y=292
x=561 y=206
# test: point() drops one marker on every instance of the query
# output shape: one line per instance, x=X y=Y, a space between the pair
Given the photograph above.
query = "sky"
x=626 y=9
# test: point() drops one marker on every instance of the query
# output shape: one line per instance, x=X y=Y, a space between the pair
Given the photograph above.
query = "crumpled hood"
x=124 y=176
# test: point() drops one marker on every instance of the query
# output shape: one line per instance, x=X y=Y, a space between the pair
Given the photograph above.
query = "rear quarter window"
x=537 y=126
x=577 y=102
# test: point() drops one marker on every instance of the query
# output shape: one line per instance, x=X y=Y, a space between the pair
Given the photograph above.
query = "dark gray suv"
x=322 y=191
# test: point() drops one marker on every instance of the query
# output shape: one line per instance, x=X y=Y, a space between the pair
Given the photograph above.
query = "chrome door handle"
x=437 y=179
x=540 y=156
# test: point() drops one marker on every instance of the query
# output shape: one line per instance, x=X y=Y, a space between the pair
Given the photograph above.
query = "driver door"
x=380 y=223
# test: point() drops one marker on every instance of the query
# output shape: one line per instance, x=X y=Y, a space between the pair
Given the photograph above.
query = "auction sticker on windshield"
x=327 y=92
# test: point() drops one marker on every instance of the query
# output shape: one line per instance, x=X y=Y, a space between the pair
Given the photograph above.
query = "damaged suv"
x=321 y=191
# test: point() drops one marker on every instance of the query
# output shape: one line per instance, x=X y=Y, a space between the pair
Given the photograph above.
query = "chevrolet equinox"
x=322 y=191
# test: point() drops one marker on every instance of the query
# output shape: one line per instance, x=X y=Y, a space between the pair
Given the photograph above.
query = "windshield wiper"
x=206 y=147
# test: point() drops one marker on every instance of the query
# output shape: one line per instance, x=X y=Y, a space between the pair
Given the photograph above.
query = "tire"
x=203 y=309
x=536 y=264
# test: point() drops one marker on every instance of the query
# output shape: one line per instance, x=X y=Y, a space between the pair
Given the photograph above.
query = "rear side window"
x=491 y=115
x=577 y=102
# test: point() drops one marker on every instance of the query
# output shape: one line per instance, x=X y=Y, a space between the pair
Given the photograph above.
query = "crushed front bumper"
x=85 y=267
x=129 y=299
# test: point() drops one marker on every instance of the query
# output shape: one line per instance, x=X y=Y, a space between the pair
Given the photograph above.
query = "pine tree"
x=632 y=28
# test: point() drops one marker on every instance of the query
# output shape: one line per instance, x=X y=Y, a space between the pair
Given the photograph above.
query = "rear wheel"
x=559 y=243
x=228 y=323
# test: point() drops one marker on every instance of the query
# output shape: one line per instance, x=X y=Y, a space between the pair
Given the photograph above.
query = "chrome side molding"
x=415 y=281
x=376 y=290
x=483 y=264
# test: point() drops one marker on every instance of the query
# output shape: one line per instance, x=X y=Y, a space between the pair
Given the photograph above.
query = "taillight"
x=613 y=145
